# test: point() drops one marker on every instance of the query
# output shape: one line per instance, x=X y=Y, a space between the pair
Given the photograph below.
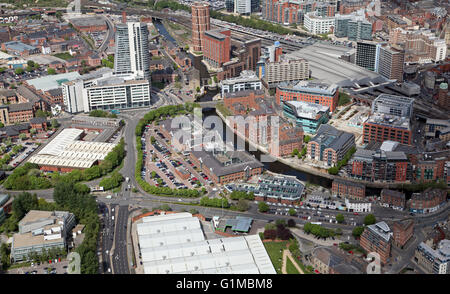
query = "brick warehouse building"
x=427 y=201
x=216 y=47
x=313 y=92
x=393 y=199
x=377 y=238
x=247 y=98
x=402 y=232
x=226 y=167
x=348 y=189
x=200 y=24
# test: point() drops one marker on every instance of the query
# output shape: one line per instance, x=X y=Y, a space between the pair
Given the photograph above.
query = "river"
x=276 y=167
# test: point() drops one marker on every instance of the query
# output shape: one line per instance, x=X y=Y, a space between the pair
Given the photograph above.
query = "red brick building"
x=312 y=92
x=200 y=24
x=392 y=198
x=402 y=232
x=374 y=131
x=427 y=201
x=246 y=98
x=217 y=47
x=227 y=167
x=377 y=238
x=348 y=189
x=290 y=138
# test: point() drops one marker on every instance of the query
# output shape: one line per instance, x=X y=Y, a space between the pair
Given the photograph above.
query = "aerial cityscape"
x=225 y=137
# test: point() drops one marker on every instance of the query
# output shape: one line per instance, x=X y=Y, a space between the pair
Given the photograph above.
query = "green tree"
x=29 y=68
x=295 y=152
x=292 y=212
x=22 y=136
x=19 y=71
x=369 y=219
x=40 y=113
x=263 y=207
x=197 y=89
x=242 y=205
x=306 y=139
x=340 y=218
x=54 y=124
x=357 y=232
x=51 y=71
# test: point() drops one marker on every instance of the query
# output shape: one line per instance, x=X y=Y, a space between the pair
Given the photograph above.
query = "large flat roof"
x=52 y=81
x=65 y=150
x=185 y=250
x=325 y=65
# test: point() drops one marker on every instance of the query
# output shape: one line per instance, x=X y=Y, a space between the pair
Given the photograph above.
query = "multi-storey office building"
x=391 y=62
x=330 y=145
x=285 y=70
x=420 y=45
x=106 y=93
x=393 y=105
x=313 y=92
x=216 y=47
x=367 y=55
x=377 y=238
x=41 y=230
x=390 y=120
x=243 y=6
x=434 y=261
x=305 y=114
x=247 y=80
x=316 y=24
x=200 y=24
x=132 y=52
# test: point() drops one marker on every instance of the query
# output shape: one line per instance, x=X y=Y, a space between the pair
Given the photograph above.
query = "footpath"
x=287 y=254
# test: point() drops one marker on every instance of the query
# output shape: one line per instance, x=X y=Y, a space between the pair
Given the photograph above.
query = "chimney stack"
x=124 y=17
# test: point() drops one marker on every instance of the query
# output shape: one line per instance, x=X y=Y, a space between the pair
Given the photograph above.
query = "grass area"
x=290 y=268
x=19 y=265
x=275 y=251
x=158 y=85
x=304 y=269
x=225 y=111
x=63 y=55
x=344 y=98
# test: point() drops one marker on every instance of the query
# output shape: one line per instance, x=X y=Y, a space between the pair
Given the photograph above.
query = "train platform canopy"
x=66 y=150
x=170 y=244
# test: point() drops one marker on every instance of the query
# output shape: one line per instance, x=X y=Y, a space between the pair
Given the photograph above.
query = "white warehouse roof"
x=175 y=243
x=66 y=151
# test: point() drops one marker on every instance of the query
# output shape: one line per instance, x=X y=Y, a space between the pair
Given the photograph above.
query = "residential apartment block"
x=330 y=145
